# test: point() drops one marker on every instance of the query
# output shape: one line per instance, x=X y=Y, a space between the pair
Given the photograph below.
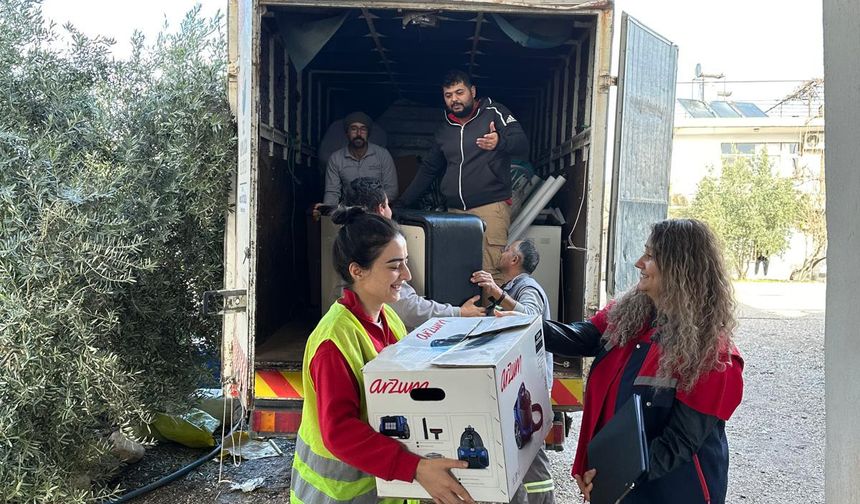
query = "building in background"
x=790 y=130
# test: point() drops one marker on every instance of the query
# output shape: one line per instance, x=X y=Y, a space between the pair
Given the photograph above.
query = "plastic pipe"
x=170 y=477
x=530 y=187
x=533 y=198
x=526 y=219
x=530 y=205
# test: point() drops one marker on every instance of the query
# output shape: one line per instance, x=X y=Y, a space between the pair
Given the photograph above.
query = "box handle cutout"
x=427 y=394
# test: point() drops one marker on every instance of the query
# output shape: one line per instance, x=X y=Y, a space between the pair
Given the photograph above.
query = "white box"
x=467 y=388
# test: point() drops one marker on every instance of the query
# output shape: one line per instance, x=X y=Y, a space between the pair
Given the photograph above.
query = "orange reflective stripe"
x=567 y=392
x=277 y=384
x=295 y=379
x=262 y=390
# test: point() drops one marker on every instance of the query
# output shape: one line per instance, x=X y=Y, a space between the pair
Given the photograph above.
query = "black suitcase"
x=451 y=249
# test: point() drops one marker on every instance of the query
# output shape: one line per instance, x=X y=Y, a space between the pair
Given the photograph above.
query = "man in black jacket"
x=473 y=148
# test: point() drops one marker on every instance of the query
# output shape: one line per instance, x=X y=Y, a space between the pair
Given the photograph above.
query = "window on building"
x=782 y=155
x=792 y=148
x=740 y=149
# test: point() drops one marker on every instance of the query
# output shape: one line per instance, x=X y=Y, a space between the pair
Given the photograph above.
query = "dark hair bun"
x=345 y=215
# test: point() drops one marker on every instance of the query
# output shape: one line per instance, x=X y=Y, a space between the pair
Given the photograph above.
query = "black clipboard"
x=619 y=452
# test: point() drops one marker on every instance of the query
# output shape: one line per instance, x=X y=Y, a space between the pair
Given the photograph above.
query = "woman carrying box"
x=337 y=453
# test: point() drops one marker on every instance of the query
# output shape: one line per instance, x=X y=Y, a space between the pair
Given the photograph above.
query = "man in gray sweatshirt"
x=413 y=310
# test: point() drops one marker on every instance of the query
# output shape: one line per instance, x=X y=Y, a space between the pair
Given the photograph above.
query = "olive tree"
x=750 y=208
x=113 y=182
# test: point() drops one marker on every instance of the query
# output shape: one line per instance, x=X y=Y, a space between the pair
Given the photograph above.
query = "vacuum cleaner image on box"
x=394 y=426
x=472 y=449
x=524 y=422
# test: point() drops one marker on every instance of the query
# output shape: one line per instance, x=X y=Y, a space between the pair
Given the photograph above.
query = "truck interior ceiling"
x=318 y=64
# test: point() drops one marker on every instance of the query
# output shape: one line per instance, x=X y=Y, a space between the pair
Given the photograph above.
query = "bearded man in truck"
x=472 y=151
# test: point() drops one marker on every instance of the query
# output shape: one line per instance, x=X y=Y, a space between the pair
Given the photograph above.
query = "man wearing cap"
x=359 y=158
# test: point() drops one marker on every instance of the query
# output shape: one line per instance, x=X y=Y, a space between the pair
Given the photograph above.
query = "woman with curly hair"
x=669 y=340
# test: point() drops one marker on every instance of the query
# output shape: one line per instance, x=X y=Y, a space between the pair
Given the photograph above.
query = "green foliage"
x=812 y=223
x=678 y=206
x=113 y=183
x=749 y=208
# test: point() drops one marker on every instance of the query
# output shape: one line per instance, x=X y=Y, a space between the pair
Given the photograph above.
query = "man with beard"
x=359 y=158
x=473 y=148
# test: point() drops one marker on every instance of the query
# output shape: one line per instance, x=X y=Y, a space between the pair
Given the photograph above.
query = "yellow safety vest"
x=318 y=477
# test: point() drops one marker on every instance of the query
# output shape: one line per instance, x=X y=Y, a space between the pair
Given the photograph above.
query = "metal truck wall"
x=643 y=147
x=240 y=257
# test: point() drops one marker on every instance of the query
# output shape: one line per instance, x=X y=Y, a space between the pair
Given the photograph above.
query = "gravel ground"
x=776 y=437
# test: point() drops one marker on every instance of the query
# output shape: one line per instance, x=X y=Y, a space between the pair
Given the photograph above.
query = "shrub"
x=113 y=183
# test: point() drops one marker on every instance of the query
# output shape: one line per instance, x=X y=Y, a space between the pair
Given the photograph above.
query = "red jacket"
x=685 y=430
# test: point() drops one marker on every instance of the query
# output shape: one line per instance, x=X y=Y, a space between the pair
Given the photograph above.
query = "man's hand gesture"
x=490 y=140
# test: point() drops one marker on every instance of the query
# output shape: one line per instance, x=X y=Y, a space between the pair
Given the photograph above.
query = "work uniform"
x=475 y=180
x=685 y=430
x=337 y=452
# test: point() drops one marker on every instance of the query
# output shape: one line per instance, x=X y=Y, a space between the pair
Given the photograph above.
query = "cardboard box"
x=464 y=388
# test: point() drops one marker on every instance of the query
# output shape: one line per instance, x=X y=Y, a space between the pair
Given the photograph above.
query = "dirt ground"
x=202 y=484
x=776 y=438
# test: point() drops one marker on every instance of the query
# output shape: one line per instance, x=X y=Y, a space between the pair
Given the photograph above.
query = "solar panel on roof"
x=724 y=109
x=749 y=109
x=696 y=108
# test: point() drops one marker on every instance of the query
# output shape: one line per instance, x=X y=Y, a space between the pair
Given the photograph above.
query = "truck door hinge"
x=232 y=301
x=607 y=81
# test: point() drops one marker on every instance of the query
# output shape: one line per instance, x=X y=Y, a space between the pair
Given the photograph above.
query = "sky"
x=744 y=39
x=747 y=40
x=118 y=19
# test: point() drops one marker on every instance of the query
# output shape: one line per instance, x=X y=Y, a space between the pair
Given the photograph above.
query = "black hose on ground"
x=170 y=478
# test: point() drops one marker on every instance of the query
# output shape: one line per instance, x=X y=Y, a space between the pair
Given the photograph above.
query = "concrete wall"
x=842 y=336
x=693 y=152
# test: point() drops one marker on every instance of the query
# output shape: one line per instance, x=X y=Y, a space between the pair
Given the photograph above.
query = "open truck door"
x=237 y=301
x=644 y=122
